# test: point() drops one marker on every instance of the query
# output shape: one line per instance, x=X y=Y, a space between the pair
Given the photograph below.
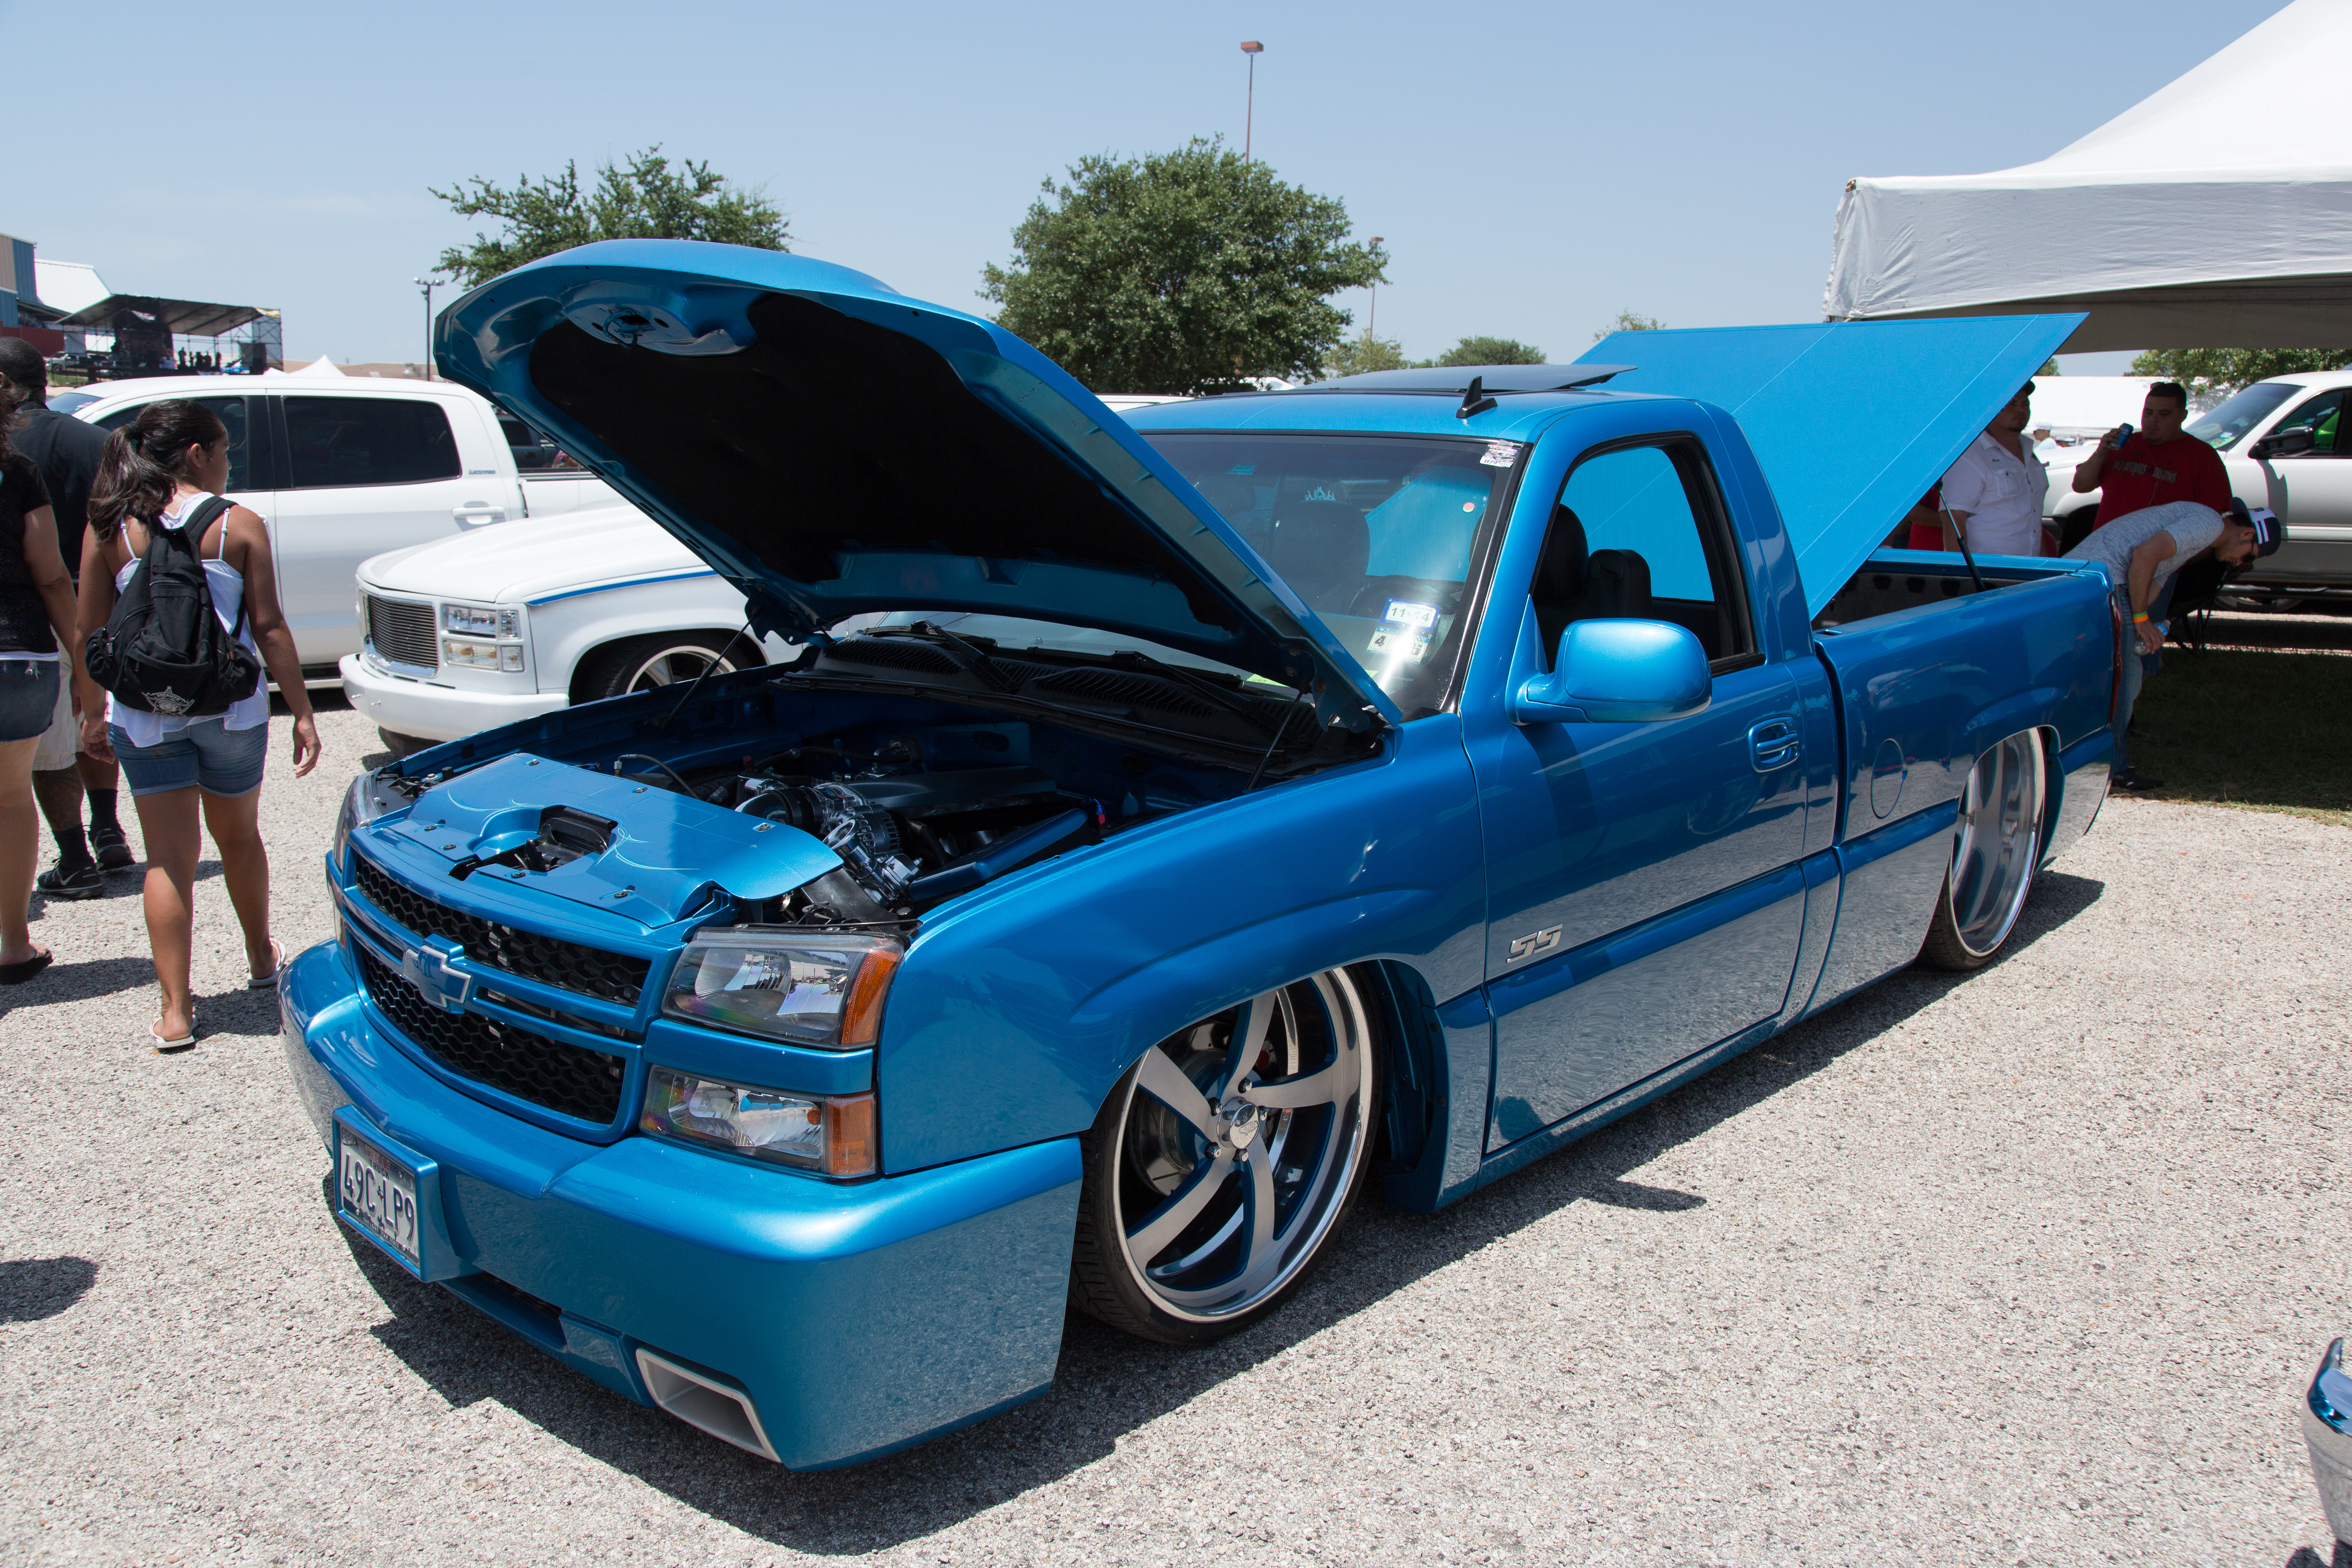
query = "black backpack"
x=163 y=650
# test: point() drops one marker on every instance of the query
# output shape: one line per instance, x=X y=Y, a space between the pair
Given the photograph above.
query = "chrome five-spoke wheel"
x=1994 y=852
x=1221 y=1163
x=668 y=658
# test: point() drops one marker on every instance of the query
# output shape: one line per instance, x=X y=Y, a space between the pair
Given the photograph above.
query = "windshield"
x=67 y=402
x=1377 y=534
x=1014 y=633
x=2224 y=427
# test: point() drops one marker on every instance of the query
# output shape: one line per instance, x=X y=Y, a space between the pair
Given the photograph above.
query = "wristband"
x=2140 y=619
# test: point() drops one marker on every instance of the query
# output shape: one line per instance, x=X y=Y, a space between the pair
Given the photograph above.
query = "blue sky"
x=1535 y=168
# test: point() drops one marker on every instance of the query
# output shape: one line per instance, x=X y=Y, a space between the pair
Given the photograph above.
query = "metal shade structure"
x=2217 y=211
x=182 y=318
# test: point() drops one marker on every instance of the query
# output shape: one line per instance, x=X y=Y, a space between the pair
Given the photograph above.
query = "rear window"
x=340 y=441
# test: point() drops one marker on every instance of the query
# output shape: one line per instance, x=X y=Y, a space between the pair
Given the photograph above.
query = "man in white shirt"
x=1993 y=495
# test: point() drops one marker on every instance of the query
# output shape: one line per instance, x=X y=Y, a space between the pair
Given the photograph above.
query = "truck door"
x=252 y=467
x=367 y=474
x=2312 y=493
x=1645 y=895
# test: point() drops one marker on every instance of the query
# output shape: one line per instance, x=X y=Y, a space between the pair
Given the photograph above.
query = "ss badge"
x=1534 y=942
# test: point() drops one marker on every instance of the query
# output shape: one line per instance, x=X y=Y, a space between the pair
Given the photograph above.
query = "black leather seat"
x=1321 y=549
x=1575 y=583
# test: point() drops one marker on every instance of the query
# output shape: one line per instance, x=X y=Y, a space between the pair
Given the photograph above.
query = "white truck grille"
x=401 y=632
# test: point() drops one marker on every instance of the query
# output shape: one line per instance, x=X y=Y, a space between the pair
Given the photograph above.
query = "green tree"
x=2221 y=371
x=2049 y=366
x=1630 y=321
x=1189 y=272
x=1492 y=350
x=1358 y=356
x=644 y=199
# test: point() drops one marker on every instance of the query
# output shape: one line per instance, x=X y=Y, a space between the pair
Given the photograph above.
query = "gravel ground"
x=2029 y=1267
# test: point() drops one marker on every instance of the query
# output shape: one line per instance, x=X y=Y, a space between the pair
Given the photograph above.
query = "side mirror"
x=2286 y=444
x=1618 y=672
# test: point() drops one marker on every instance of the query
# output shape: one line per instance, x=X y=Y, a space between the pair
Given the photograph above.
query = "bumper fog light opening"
x=705 y=1403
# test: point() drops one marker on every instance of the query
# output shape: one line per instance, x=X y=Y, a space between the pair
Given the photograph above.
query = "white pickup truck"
x=491 y=628
x=347 y=467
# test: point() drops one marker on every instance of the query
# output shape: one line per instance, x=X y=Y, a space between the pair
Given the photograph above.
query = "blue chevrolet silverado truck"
x=1172 y=824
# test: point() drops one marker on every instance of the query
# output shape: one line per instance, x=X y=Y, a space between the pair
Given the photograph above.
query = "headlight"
x=833 y=1134
x=787 y=982
x=482 y=655
x=472 y=620
x=365 y=802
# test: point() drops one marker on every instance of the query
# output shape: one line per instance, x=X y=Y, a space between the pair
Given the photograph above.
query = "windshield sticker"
x=1398 y=643
x=1405 y=613
x=1501 y=453
x=1243 y=469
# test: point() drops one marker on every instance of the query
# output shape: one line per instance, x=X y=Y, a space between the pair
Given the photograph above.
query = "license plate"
x=379 y=1195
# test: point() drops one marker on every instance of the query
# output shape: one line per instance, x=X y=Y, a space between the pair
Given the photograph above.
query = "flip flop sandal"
x=17 y=974
x=166 y=1048
x=277 y=962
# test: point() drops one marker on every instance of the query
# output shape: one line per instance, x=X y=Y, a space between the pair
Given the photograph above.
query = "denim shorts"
x=28 y=698
x=207 y=755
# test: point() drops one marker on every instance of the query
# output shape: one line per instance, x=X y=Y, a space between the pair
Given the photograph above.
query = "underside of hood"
x=834 y=448
x=1851 y=421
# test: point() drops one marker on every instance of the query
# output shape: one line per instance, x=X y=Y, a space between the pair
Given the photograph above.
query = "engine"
x=909 y=835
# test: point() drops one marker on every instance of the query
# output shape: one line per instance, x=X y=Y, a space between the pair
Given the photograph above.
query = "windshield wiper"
x=976 y=660
x=1191 y=680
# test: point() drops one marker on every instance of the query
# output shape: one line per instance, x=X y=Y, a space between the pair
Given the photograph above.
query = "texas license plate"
x=379 y=1195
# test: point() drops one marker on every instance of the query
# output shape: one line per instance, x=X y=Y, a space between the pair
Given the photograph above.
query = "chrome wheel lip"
x=1998 y=844
x=645 y=679
x=1275 y=1254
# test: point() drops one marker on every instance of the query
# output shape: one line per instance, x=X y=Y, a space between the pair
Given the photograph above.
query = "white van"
x=345 y=468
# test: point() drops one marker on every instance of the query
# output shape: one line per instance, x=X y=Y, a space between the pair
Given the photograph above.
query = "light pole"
x=427 y=286
x=1372 y=316
x=1253 y=48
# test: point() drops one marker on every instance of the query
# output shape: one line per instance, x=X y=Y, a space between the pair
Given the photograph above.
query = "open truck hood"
x=834 y=448
x=1851 y=421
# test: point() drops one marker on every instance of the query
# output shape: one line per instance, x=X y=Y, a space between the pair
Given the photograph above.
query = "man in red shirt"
x=2157 y=465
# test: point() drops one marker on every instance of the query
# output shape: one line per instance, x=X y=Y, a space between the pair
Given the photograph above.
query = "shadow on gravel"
x=32 y=1288
x=2304 y=1557
x=67 y=981
x=1108 y=1384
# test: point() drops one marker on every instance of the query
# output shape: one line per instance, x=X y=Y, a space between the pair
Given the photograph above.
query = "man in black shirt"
x=66 y=452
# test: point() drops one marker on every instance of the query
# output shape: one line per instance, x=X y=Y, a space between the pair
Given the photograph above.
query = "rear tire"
x=1222 y=1164
x=666 y=659
x=1995 y=851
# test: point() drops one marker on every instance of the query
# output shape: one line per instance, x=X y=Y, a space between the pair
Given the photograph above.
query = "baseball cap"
x=2262 y=519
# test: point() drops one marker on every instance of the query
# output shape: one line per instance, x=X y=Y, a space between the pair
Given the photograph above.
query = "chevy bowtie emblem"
x=429 y=969
x=1534 y=942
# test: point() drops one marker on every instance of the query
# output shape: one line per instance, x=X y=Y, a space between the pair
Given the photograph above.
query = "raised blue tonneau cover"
x=1851 y=421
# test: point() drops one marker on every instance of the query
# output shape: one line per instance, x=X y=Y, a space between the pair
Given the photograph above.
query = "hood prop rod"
x=1966 y=553
x=695 y=685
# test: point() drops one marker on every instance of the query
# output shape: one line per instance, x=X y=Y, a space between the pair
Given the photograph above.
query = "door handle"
x=1773 y=744
x=479 y=511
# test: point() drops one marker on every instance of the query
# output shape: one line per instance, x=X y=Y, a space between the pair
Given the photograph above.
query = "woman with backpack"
x=36 y=651
x=164 y=471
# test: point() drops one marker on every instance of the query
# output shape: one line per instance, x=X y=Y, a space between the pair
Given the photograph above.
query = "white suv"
x=343 y=468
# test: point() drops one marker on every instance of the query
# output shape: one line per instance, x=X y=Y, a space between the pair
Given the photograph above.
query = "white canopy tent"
x=2216 y=212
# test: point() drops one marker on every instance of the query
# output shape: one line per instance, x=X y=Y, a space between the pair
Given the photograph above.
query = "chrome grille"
x=401 y=632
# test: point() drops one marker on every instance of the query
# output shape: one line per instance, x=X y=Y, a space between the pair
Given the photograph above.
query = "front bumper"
x=2328 y=1433
x=435 y=713
x=856 y=1319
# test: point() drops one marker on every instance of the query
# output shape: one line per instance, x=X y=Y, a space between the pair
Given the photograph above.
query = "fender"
x=1004 y=1028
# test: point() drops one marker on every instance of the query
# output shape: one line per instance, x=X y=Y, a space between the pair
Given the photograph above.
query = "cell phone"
x=2122 y=436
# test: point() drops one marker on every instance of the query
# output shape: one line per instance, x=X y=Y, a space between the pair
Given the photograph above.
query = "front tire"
x=1220 y=1168
x=666 y=659
x=1995 y=851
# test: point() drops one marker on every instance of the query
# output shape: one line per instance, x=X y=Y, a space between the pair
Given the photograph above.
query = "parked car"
x=346 y=468
x=1391 y=779
x=2328 y=1438
x=496 y=625
x=2280 y=441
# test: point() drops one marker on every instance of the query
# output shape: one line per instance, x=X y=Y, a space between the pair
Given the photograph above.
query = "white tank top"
x=228 y=586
